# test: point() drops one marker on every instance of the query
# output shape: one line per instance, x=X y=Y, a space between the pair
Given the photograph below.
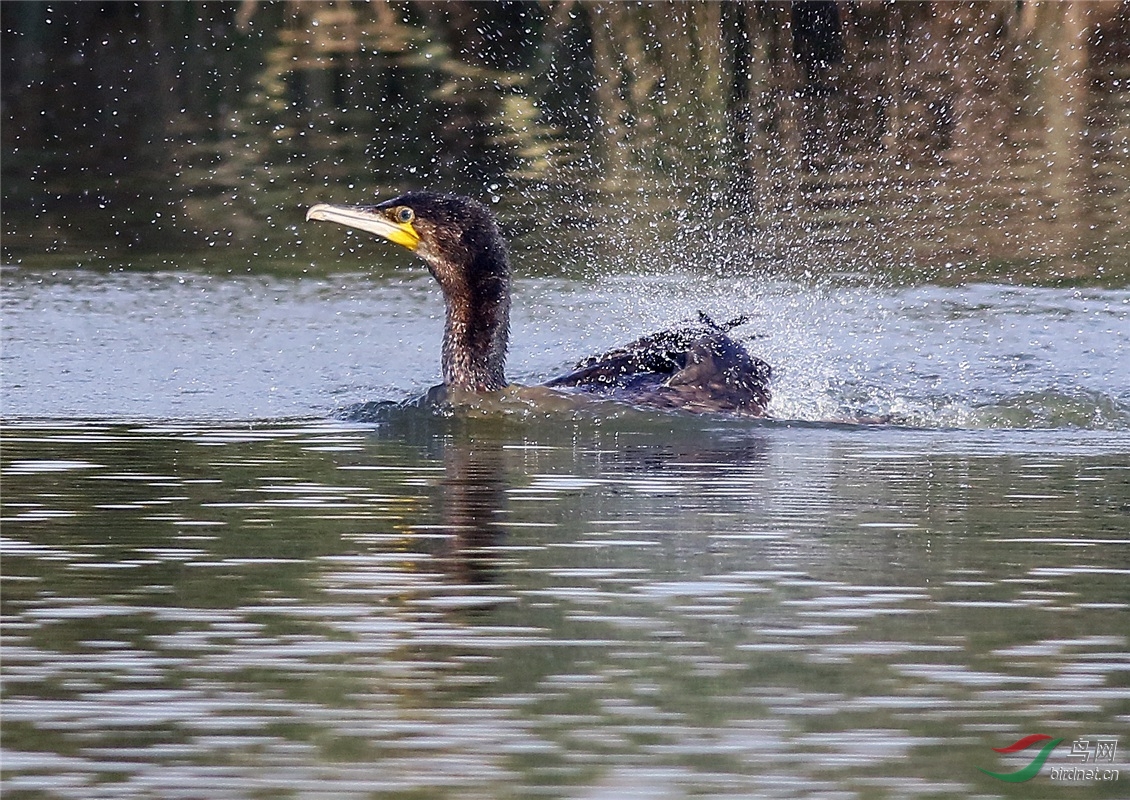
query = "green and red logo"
x=1029 y=772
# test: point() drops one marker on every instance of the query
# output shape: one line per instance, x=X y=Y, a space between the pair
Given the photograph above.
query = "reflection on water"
x=483 y=608
x=938 y=139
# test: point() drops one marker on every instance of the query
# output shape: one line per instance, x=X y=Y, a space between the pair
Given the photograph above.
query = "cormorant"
x=696 y=368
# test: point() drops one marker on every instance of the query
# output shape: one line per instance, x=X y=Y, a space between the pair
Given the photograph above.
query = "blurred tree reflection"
x=907 y=135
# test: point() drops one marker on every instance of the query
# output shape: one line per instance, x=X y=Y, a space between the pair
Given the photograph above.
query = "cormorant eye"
x=404 y=215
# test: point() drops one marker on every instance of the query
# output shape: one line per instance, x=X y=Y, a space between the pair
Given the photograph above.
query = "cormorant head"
x=455 y=235
x=461 y=243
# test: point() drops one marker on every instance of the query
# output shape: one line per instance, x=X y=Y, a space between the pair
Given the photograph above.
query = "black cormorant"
x=696 y=367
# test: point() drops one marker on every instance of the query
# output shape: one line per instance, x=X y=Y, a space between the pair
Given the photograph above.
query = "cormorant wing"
x=698 y=368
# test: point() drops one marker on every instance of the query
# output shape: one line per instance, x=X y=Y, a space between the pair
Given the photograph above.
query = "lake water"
x=235 y=564
x=624 y=606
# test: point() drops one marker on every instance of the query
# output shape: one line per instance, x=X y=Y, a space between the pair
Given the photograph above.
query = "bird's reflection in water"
x=472 y=501
x=459 y=529
x=643 y=465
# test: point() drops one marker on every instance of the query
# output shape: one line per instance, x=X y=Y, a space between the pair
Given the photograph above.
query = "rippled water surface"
x=497 y=607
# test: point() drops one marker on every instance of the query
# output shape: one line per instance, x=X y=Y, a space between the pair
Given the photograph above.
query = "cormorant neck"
x=477 y=297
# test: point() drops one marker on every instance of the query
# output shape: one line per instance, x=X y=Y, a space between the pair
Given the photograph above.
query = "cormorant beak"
x=371 y=219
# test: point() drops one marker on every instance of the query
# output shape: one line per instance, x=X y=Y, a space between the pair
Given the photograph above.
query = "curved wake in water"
x=1051 y=410
x=977 y=356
